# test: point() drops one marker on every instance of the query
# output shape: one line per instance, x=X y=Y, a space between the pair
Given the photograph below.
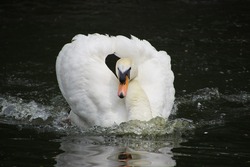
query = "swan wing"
x=87 y=83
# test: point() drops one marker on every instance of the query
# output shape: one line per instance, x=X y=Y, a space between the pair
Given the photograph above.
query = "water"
x=208 y=42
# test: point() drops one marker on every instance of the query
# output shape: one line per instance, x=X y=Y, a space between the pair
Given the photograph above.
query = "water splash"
x=206 y=94
x=21 y=110
x=14 y=110
x=187 y=108
x=241 y=97
x=155 y=127
x=54 y=118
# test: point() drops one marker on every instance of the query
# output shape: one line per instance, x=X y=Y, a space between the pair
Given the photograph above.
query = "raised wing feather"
x=86 y=82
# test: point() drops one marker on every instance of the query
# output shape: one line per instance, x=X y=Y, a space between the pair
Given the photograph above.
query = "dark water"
x=208 y=42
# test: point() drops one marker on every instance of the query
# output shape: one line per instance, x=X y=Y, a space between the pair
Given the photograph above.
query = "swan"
x=141 y=89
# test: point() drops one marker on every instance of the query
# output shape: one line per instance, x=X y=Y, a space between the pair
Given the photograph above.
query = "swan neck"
x=137 y=102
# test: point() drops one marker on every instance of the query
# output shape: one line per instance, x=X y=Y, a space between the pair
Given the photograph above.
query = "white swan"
x=90 y=88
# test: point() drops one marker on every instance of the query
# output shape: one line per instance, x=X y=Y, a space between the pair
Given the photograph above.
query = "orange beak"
x=123 y=88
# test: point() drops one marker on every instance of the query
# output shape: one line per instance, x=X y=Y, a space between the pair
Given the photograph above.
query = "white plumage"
x=90 y=87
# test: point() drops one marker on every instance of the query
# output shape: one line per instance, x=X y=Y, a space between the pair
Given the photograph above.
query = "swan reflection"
x=95 y=151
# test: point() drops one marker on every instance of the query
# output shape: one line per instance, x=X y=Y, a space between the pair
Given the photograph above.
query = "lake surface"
x=208 y=42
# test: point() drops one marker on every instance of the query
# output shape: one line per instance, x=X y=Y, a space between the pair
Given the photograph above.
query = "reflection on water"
x=88 y=151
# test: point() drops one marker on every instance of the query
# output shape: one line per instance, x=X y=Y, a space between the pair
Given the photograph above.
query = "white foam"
x=21 y=110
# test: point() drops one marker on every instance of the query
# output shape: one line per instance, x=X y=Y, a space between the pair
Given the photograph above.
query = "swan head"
x=125 y=71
